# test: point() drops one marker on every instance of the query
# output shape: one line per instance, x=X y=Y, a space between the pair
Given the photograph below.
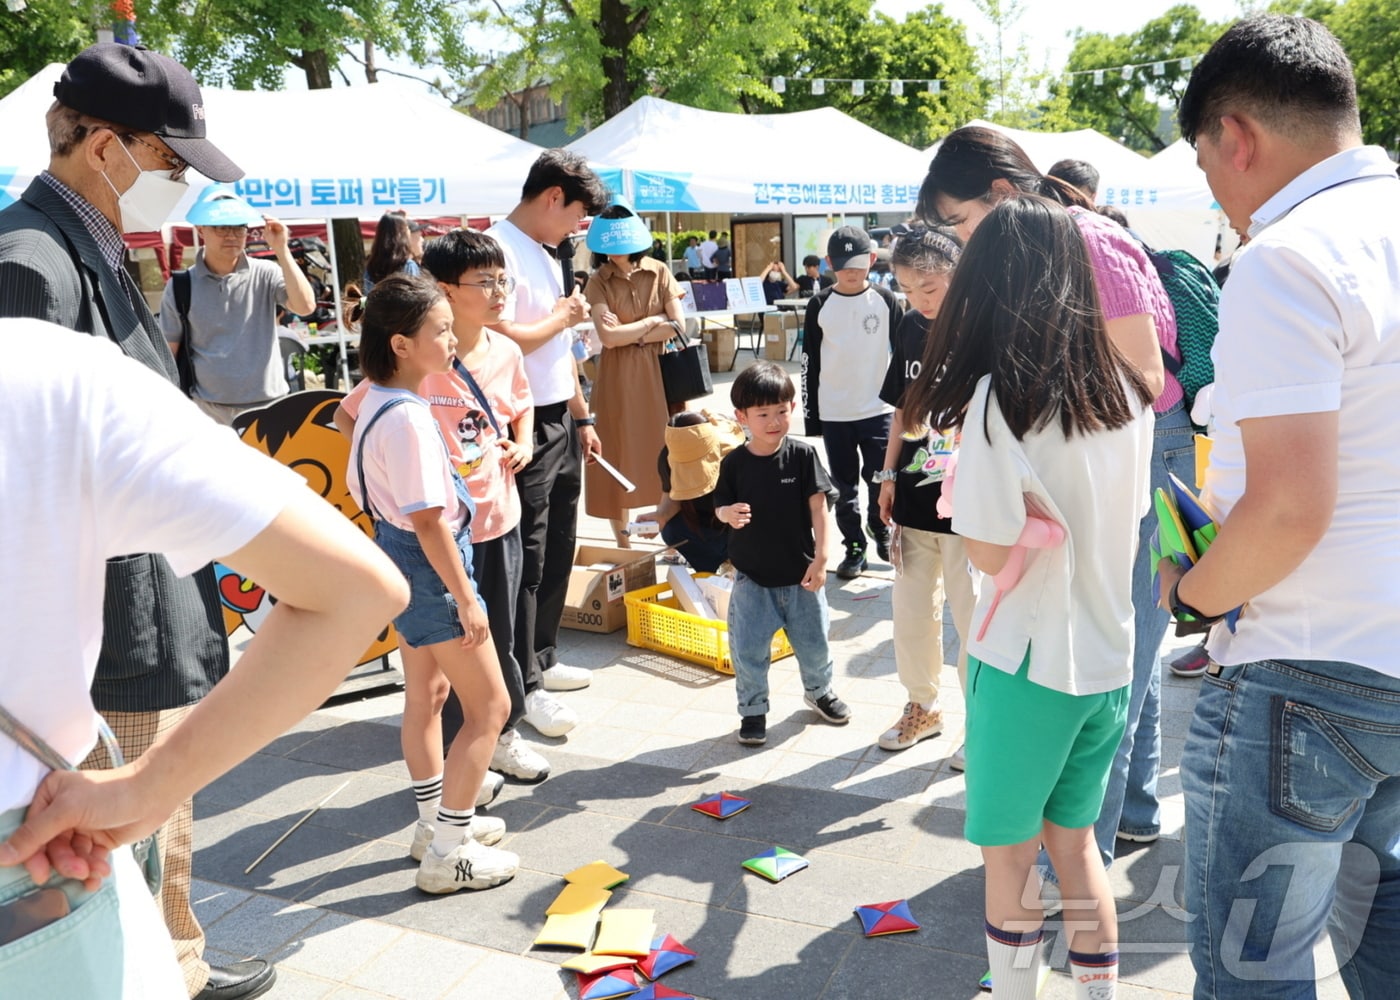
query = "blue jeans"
x=755 y=615
x=855 y=451
x=1292 y=779
x=704 y=550
x=1130 y=802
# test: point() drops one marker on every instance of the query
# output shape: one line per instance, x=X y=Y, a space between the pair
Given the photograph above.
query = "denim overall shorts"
x=431 y=615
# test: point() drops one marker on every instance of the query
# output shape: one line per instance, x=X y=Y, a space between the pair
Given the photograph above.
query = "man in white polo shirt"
x=559 y=192
x=1290 y=769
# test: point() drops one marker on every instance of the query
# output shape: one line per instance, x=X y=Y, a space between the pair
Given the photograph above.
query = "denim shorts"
x=1034 y=754
x=431 y=615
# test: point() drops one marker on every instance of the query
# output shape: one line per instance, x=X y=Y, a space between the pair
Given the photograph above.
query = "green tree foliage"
x=1369 y=30
x=1130 y=110
x=40 y=34
x=249 y=44
x=927 y=45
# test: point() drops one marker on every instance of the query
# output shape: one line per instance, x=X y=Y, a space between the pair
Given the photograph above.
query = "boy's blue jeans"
x=755 y=614
x=1292 y=780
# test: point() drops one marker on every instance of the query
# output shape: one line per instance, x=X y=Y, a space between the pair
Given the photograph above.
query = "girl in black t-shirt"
x=929 y=559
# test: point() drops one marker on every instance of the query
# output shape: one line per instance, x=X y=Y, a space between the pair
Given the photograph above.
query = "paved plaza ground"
x=335 y=905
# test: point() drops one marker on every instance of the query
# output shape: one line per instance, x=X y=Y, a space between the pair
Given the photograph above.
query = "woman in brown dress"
x=634 y=300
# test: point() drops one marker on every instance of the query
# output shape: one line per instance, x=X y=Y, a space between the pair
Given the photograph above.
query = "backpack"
x=184 y=366
x=1195 y=297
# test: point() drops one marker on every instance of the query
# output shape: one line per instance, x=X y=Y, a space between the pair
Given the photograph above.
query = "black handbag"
x=685 y=369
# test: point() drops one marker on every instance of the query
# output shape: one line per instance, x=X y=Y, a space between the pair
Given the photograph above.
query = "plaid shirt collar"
x=109 y=240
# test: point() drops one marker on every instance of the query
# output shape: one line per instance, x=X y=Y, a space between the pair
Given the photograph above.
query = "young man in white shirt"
x=1289 y=770
x=559 y=192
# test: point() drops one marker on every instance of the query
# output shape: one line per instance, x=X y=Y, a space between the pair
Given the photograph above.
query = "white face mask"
x=146 y=205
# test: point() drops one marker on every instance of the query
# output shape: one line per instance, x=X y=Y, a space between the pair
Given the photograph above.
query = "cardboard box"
x=593 y=602
x=721 y=343
x=779 y=334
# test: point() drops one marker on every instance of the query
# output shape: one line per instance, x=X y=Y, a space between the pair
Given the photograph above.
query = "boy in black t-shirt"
x=773 y=493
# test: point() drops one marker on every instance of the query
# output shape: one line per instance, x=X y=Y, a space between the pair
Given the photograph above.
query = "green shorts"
x=1034 y=754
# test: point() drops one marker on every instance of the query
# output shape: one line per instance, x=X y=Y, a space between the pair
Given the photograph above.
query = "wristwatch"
x=1189 y=621
x=585 y=421
x=885 y=476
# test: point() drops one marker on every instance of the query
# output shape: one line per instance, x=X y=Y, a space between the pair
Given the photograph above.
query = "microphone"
x=565 y=252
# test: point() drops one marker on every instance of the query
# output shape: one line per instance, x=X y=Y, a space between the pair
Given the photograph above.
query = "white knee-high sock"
x=450 y=829
x=428 y=793
x=1015 y=962
x=1095 y=975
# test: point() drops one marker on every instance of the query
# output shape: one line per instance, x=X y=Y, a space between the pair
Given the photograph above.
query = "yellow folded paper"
x=592 y=963
x=579 y=899
x=569 y=930
x=626 y=932
x=599 y=874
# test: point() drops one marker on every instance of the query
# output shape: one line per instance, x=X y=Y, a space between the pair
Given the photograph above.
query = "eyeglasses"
x=503 y=285
x=177 y=166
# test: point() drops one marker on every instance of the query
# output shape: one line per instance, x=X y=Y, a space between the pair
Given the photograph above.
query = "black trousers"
x=496 y=570
x=549 y=493
x=855 y=451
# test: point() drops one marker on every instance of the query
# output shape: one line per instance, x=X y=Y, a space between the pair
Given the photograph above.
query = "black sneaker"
x=1192 y=663
x=829 y=707
x=854 y=563
x=753 y=730
x=881 y=535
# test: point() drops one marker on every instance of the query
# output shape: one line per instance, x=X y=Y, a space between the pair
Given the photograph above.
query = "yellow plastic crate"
x=657 y=622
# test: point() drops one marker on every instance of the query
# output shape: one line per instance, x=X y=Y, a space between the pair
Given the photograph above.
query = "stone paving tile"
x=210 y=901
x=624 y=789
x=227 y=844
x=415 y=966
x=896 y=967
x=354 y=746
x=335 y=946
x=261 y=925
x=293 y=985
x=269 y=785
x=508 y=976
x=666 y=750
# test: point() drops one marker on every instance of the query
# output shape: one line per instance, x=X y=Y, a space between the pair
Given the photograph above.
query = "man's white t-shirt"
x=407 y=467
x=1073 y=607
x=538 y=286
x=99 y=457
x=707 y=253
x=1310 y=323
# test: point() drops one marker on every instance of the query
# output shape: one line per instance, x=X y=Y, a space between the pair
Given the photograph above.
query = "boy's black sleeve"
x=815 y=479
x=812 y=365
x=896 y=315
x=723 y=495
x=892 y=388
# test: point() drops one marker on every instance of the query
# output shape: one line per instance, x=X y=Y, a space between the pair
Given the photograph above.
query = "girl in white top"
x=1055 y=423
x=402 y=475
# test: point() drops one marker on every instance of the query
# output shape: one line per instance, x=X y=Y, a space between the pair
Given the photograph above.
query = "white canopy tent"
x=1167 y=202
x=671 y=158
x=350 y=152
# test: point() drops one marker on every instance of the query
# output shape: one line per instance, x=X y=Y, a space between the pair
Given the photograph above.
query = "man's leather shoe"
x=239 y=981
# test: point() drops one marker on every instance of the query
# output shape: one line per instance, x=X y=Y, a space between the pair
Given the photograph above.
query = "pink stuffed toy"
x=1041 y=531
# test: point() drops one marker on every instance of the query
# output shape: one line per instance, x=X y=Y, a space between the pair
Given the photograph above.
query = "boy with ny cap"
x=126 y=126
x=846 y=346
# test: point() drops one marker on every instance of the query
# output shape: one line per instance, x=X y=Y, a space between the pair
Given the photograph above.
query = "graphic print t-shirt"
x=923 y=461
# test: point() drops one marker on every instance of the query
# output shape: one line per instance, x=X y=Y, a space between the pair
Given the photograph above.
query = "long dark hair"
x=970 y=159
x=389 y=251
x=1023 y=307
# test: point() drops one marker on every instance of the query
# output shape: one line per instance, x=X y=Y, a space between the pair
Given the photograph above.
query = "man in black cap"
x=126 y=126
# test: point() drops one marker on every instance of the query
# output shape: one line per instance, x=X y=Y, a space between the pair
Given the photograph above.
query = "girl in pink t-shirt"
x=403 y=476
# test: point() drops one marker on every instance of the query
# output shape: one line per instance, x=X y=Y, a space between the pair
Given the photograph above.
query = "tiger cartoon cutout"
x=298 y=431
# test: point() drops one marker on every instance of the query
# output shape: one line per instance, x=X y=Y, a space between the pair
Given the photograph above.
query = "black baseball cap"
x=148 y=92
x=849 y=246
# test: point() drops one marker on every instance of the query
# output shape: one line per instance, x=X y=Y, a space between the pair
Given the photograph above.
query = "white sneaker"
x=562 y=678
x=515 y=757
x=491 y=786
x=958 y=762
x=486 y=830
x=471 y=865
x=549 y=715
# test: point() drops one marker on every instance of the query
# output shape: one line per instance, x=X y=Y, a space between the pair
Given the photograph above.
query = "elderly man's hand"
x=276 y=234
